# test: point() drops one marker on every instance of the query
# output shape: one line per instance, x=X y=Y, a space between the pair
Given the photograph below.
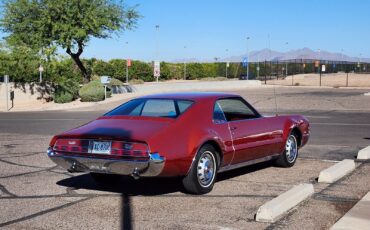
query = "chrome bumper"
x=136 y=168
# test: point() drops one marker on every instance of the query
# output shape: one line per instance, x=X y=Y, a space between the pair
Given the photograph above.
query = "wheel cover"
x=206 y=169
x=291 y=149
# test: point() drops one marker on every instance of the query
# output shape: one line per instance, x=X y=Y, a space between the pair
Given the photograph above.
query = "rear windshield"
x=148 y=107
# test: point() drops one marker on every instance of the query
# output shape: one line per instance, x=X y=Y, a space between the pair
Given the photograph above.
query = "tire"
x=202 y=175
x=289 y=156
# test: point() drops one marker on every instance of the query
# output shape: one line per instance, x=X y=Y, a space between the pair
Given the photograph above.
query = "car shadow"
x=147 y=186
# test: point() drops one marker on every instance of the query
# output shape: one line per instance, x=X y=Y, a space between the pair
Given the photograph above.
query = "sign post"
x=245 y=64
x=157 y=69
x=105 y=81
x=227 y=66
x=6 y=81
x=128 y=64
x=41 y=69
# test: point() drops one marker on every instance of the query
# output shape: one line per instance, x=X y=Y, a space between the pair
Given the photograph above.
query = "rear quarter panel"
x=180 y=142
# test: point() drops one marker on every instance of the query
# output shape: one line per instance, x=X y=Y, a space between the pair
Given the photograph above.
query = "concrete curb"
x=337 y=171
x=275 y=208
x=364 y=154
x=357 y=217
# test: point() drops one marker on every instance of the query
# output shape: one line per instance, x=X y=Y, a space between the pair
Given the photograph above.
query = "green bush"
x=136 y=82
x=66 y=91
x=93 y=91
x=62 y=96
x=115 y=82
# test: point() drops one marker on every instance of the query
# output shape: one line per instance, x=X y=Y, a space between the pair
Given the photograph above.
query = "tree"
x=69 y=24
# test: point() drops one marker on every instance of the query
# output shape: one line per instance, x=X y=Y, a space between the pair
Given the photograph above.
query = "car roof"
x=191 y=95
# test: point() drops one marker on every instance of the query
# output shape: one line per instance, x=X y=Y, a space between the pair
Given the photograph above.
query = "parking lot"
x=36 y=194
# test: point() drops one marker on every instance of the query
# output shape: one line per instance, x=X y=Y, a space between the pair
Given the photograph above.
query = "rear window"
x=171 y=108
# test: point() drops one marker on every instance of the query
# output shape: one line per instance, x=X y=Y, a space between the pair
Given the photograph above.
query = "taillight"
x=118 y=148
x=130 y=149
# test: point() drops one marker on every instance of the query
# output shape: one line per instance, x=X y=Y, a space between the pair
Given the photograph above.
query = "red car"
x=188 y=135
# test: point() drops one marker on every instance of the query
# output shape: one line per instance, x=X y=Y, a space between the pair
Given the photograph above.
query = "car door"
x=251 y=137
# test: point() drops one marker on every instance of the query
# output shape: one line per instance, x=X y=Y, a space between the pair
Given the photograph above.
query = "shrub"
x=93 y=91
x=136 y=82
x=115 y=82
x=62 y=96
x=66 y=91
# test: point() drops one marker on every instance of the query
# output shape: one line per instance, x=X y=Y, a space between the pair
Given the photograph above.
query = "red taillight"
x=118 y=148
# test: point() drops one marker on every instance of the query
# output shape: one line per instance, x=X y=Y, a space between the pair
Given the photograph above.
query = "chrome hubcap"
x=206 y=169
x=291 y=149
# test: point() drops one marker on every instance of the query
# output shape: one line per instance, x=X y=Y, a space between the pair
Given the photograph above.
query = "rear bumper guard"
x=145 y=168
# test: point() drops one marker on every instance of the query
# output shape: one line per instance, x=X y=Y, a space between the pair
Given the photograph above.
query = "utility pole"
x=247 y=59
x=185 y=65
x=226 y=63
x=157 y=44
x=286 y=63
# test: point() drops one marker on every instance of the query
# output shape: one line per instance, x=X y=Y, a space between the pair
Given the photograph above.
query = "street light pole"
x=247 y=59
x=185 y=65
x=157 y=46
x=226 y=63
x=286 y=63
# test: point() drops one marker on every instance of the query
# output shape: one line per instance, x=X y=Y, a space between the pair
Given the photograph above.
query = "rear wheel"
x=290 y=154
x=202 y=175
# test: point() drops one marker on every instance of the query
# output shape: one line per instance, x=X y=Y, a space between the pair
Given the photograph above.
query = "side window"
x=236 y=109
x=218 y=115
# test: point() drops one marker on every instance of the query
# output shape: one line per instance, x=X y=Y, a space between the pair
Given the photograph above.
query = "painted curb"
x=357 y=217
x=275 y=208
x=337 y=171
x=367 y=94
x=364 y=154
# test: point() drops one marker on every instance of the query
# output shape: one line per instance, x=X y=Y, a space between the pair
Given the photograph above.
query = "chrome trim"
x=247 y=163
x=145 y=168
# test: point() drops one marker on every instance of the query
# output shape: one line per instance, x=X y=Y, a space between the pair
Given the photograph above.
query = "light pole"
x=41 y=69
x=157 y=44
x=341 y=58
x=126 y=67
x=247 y=59
x=226 y=63
x=185 y=64
x=286 y=62
x=320 y=65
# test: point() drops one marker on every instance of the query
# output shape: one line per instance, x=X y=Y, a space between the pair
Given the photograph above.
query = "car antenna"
x=276 y=109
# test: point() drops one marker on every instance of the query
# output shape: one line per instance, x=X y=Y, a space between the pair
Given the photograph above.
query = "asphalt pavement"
x=34 y=193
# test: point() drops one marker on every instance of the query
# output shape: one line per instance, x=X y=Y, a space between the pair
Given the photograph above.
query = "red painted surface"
x=178 y=140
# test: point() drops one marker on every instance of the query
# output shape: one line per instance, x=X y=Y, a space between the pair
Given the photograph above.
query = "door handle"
x=233 y=128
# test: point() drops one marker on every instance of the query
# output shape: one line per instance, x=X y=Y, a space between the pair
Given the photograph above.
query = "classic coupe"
x=192 y=136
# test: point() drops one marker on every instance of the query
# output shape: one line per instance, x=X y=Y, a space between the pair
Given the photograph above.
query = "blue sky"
x=208 y=27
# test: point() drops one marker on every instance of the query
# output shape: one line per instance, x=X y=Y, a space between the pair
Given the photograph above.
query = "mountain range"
x=272 y=55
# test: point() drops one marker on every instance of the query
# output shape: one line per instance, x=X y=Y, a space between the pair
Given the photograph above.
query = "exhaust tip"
x=135 y=174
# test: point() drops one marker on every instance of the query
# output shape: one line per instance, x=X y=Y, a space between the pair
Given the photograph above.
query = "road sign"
x=41 y=68
x=157 y=69
x=245 y=62
x=128 y=63
x=258 y=68
x=105 y=79
x=6 y=79
x=227 y=64
x=323 y=68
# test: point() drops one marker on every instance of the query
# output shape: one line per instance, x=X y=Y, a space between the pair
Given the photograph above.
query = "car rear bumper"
x=146 y=168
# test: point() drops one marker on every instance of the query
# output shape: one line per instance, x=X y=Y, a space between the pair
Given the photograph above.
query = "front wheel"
x=290 y=154
x=202 y=175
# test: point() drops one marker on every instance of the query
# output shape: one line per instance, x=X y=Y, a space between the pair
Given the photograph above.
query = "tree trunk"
x=76 y=58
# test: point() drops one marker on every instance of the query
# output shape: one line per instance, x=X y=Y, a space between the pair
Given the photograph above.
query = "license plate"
x=101 y=147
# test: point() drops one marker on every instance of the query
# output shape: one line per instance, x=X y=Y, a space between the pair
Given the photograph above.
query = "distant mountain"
x=271 y=55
